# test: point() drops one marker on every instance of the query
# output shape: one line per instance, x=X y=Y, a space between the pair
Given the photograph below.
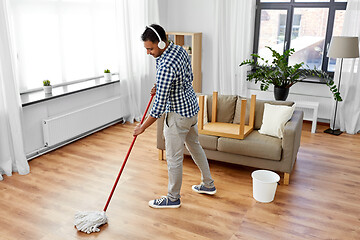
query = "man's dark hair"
x=150 y=35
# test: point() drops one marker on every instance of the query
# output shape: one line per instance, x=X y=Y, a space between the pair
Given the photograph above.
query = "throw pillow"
x=274 y=119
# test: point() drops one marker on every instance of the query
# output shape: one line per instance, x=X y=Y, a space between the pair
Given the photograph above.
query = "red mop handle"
x=126 y=158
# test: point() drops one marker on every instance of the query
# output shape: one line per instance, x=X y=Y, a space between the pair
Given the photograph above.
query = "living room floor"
x=321 y=201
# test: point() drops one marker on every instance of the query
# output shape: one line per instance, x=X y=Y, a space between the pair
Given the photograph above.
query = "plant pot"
x=281 y=93
x=47 y=89
x=107 y=77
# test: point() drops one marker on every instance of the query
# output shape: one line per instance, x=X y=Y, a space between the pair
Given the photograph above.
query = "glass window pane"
x=340 y=0
x=338 y=25
x=312 y=1
x=274 y=0
x=308 y=36
x=272 y=32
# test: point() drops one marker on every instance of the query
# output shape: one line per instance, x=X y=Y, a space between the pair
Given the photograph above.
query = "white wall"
x=198 y=16
x=186 y=16
x=193 y=16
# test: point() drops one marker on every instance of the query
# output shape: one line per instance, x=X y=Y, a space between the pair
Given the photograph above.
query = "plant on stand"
x=283 y=76
x=47 y=87
x=107 y=75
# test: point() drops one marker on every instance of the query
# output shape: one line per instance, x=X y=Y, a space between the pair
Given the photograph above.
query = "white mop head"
x=89 y=222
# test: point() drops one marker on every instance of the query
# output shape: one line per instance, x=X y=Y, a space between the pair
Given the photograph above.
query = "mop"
x=89 y=222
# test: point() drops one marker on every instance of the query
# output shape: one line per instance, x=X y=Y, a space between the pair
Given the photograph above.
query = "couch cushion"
x=225 y=108
x=238 y=111
x=254 y=145
x=208 y=142
x=259 y=110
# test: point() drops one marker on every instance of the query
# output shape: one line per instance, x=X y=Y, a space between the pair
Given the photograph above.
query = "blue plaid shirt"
x=174 y=90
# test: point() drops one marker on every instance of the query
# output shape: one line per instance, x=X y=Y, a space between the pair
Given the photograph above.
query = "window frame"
x=289 y=7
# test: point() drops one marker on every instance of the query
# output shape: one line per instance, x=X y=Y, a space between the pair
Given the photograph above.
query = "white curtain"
x=12 y=154
x=133 y=17
x=348 y=115
x=233 y=43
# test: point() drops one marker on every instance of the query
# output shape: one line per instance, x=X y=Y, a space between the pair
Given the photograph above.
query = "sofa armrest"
x=160 y=140
x=291 y=140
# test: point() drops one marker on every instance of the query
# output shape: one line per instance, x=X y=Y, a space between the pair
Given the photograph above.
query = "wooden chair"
x=230 y=130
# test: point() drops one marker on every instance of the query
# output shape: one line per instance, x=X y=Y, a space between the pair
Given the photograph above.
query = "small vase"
x=47 y=89
x=107 y=77
x=281 y=93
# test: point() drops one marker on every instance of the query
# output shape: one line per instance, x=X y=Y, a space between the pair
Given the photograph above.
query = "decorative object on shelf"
x=283 y=76
x=342 y=47
x=107 y=75
x=187 y=48
x=47 y=87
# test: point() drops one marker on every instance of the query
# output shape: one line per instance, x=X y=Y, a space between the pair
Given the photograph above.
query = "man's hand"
x=153 y=90
x=138 y=130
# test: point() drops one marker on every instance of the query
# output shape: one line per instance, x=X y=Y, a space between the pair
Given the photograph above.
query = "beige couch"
x=256 y=150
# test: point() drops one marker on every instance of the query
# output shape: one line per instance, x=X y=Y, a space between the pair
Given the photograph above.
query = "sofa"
x=256 y=150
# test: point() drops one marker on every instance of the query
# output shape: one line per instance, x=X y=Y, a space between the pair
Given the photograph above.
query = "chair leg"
x=161 y=154
x=286 y=178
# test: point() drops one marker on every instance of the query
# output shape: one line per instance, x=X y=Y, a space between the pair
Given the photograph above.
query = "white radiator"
x=74 y=124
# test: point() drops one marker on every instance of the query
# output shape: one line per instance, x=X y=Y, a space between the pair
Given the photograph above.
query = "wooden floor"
x=321 y=202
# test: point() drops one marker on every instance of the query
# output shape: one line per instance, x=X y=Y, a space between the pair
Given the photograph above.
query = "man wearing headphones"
x=175 y=96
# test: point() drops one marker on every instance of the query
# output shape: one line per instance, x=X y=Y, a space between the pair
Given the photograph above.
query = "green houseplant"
x=47 y=86
x=107 y=75
x=283 y=76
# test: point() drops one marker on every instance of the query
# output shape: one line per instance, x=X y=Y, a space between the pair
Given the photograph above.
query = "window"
x=63 y=40
x=305 y=25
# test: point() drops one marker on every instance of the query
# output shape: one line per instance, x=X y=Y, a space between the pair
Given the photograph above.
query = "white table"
x=313 y=107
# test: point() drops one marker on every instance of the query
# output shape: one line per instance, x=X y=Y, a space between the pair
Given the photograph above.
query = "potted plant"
x=47 y=86
x=107 y=75
x=283 y=76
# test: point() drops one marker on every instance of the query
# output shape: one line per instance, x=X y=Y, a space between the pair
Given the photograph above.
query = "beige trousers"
x=179 y=130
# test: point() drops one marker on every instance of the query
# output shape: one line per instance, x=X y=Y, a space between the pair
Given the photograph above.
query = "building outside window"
x=282 y=27
x=305 y=25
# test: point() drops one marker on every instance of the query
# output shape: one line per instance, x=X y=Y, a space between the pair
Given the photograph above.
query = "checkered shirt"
x=174 y=90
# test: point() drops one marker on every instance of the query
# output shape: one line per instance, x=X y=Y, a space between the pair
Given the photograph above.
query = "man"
x=176 y=98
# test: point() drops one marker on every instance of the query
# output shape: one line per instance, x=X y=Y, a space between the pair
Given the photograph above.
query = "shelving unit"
x=193 y=40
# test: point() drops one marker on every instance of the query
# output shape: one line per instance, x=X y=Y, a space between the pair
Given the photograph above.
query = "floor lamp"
x=342 y=47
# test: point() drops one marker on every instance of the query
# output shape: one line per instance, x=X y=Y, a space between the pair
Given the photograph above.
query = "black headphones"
x=161 y=43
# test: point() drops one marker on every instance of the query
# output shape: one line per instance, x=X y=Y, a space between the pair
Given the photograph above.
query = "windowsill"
x=312 y=79
x=39 y=96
